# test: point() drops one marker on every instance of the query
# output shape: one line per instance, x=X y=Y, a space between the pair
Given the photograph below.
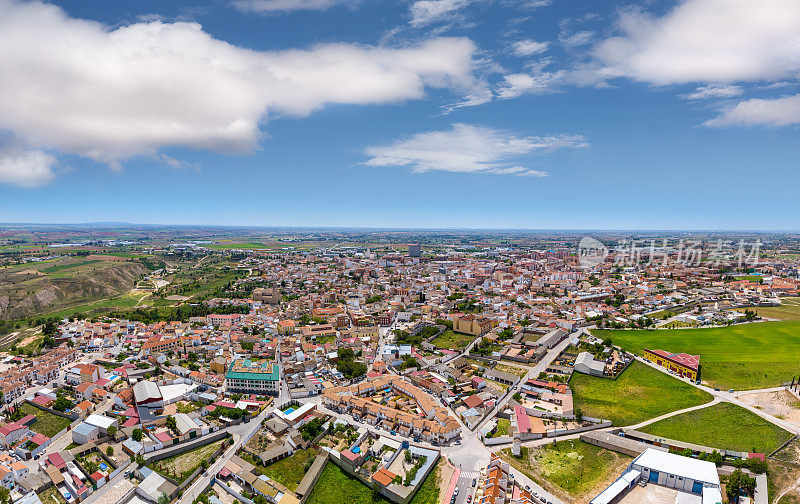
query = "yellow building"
x=470 y=324
x=680 y=363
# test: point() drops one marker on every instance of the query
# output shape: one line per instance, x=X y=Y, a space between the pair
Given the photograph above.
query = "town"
x=413 y=374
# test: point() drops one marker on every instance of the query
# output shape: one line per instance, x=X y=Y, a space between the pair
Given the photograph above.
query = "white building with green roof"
x=253 y=377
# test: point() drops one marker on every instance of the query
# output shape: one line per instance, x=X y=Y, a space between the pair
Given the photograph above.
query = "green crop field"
x=725 y=426
x=640 y=393
x=744 y=356
x=453 y=340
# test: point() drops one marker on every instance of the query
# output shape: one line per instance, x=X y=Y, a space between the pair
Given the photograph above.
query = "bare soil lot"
x=782 y=404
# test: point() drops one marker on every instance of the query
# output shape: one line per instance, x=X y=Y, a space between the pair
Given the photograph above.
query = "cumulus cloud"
x=27 y=168
x=76 y=86
x=528 y=47
x=713 y=91
x=424 y=12
x=277 y=6
x=767 y=112
x=469 y=148
x=715 y=41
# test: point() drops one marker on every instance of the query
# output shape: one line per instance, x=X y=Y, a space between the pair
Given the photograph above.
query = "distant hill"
x=33 y=290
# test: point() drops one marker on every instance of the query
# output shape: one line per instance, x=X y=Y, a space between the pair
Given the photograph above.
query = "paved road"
x=533 y=372
x=240 y=433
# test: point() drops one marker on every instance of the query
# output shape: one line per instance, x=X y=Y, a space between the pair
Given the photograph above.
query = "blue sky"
x=431 y=113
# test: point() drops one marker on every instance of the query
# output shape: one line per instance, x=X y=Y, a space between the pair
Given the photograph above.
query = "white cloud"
x=713 y=91
x=468 y=148
x=769 y=112
x=577 y=39
x=78 y=87
x=528 y=47
x=535 y=4
x=276 y=6
x=718 y=41
x=27 y=168
x=424 y=12
x=538 y=82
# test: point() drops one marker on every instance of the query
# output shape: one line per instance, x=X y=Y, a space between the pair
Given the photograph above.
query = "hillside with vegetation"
x=31 y=290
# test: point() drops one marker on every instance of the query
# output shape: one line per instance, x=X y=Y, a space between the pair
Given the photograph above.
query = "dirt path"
x=142 y=299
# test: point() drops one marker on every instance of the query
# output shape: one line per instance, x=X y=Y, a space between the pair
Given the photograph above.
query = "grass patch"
x=128 y=300
x=511 y=370
x=46 y=423
x=787 y=311
x=428 y=492
x=724 y=426
x=573 y=467
x=289 y=472
x=61 y=267
x=744 y=356
x=452 y=340
x=336 y=487
x=51 y=496
x=639 y=393
x=502 y=428
x=179 y=467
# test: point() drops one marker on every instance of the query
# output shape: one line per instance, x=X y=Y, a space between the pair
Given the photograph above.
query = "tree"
x=111 y=431
x=517 y=397
x=5 y=495
x=110 y=451
x=49 y=328
x=738 y=483
x=62 y=404
x=171 y=423
x=137 y=435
